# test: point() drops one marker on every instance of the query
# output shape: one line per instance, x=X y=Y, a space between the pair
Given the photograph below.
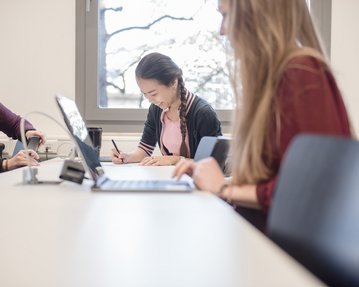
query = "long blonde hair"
x=264 y=36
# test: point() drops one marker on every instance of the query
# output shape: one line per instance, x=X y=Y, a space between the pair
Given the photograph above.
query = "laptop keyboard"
x=145 y=184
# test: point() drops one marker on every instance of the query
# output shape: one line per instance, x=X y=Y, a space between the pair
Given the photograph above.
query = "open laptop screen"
x=77 y=127
x=78 y=130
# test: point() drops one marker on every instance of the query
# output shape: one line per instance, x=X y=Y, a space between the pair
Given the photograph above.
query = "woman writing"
x=176 y=120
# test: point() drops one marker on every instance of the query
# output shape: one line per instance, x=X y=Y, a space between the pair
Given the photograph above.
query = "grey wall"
x=37 y=57
x=345 y=53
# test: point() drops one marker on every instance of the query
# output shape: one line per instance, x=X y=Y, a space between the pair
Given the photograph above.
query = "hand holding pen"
x=117 y=155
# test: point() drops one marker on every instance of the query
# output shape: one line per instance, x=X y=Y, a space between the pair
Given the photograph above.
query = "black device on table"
x=33 y=143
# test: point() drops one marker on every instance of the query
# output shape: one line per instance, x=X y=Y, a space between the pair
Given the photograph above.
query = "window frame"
x=131 y=120
x=322 y=12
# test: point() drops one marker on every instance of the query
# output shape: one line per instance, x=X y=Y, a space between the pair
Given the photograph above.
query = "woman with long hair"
x=284 y=87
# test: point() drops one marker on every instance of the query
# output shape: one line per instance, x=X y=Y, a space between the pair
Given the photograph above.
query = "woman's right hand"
x=21 y=159
x=119 y=157
x=184 y=166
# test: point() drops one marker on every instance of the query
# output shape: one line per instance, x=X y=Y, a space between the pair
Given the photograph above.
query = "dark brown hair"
x=156 y=66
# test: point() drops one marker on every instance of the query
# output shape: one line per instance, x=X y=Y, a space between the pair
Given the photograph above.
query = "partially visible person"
x=10 y=125
x=176 y=120
x=287 y=89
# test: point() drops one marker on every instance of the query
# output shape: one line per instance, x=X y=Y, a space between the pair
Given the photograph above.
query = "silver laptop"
x=91 y=162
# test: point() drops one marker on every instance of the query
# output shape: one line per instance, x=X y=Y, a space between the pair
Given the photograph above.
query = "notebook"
x=91 y=162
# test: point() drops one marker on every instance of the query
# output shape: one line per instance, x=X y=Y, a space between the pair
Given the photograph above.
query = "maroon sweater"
x=10 y=123
x=309 y=102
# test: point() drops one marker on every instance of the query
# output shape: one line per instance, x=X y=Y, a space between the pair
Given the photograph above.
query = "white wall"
x=37 y=57
x=345 y=53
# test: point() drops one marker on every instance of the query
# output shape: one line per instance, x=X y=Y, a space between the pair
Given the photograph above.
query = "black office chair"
x=315 y=210
x=216 y=147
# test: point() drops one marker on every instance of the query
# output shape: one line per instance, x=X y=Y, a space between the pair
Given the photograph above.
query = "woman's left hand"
x=35 y=133
x=23 y=158
x=160 y=160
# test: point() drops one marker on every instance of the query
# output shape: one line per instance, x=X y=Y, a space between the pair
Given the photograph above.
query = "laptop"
x=92 y=164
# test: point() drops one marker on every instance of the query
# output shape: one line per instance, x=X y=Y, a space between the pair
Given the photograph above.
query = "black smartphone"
x=33 y=143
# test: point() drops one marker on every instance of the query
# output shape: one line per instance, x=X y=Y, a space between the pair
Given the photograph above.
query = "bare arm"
x=208 y=176
x=244 y=195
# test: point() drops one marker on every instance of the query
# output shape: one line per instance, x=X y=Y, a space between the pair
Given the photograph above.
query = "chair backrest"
x=315 y=209
x=216 y=147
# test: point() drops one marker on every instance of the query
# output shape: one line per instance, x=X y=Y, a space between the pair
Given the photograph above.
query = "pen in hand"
x=114 y=144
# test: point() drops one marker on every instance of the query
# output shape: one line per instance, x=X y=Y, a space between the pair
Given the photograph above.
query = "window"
x=113 y=35
x=118 y=34
x=186 y=30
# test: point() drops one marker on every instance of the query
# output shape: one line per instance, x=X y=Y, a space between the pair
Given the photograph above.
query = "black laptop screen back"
x=78 y=130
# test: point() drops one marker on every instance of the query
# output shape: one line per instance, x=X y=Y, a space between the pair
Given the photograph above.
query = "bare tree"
x=203 y=76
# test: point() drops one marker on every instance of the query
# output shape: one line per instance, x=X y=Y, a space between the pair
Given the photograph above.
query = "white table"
x=66 y=235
